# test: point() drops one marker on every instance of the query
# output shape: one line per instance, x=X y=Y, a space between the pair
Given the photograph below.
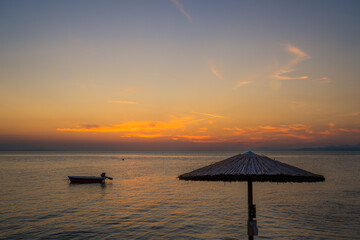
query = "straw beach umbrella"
x=251 y=167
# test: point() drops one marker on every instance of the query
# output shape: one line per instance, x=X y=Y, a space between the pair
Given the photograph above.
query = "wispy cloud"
x=328 y=132
x=213 y=70
x=124 y=102
x=189 y=128
x=198 y=138
x=291 y=133
x=142 y=135
x=242 y=83
x=298 y=131
x=353 y=114
x=182 y=10
x=349 y=130
x=195 y=129
x=298 y=54
x=133 y=126
x=339 y=131
x=208 y=114
x=183 y=128
x=325 y=80
x=297 y=57
x=203 y=129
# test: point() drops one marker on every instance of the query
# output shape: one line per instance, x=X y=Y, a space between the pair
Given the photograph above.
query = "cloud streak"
x=298 y=56
x=298 y=131
x=289 y=133
x=242 y=83
x=182 y=10
x=133 y=126
x=194 y=129
x=325 y=80
x=208 y=114
x=214 y=71
x=190 y=128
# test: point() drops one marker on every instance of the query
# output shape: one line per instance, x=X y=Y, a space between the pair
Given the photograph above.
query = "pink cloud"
x=182 y=9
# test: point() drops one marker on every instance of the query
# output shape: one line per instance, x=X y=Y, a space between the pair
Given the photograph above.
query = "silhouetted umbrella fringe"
x=251 y=167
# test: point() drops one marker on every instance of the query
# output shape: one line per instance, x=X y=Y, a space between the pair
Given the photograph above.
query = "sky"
x=179 y=74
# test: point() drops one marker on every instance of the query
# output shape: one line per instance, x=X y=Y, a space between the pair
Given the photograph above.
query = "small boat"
x=89 y=179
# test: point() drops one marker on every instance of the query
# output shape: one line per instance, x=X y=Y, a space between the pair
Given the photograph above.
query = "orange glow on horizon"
x=132 y=126
x=183 y=129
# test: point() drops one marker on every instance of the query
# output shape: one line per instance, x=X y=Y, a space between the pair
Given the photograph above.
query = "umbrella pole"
x=250 y=204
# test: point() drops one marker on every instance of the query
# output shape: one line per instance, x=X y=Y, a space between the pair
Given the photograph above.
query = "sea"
x=146 y=200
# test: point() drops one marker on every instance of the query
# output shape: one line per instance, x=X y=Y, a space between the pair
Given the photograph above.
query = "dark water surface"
x=147 y=201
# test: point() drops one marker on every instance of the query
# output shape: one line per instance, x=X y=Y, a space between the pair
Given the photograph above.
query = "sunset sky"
x=179 y=74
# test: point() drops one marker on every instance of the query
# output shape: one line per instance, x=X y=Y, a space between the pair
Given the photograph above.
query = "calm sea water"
x=147 y=201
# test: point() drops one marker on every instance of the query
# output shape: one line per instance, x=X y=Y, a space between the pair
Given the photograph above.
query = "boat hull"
x=85 y=179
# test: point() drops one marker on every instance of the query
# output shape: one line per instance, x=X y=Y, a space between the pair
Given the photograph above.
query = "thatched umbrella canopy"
x=251 y=167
